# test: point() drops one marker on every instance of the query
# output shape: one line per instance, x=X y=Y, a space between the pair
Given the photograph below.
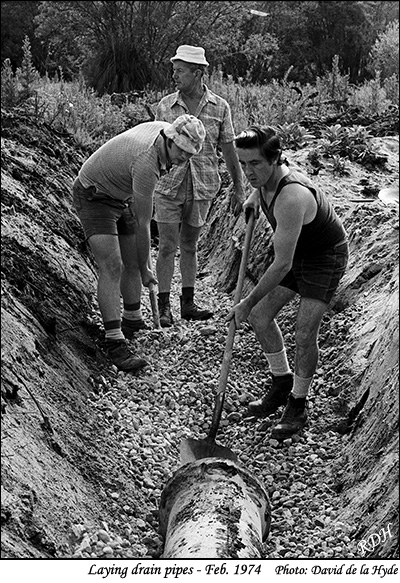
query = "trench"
x=119 y=435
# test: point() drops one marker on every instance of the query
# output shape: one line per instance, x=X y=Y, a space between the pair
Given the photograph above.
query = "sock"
x=278 y=363
x=188 y=293
x=301 y=387
x=163 y=296
x=132 y=314
x=113 y=331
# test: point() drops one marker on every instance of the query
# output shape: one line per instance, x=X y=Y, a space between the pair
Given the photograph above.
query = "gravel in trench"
x=173 y=399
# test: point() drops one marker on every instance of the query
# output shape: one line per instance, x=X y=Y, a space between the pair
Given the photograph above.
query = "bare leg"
x=168 y=237
x=307 y=328
x=262 y=318
x=131 y=281
x=189 y=237
x=108 y=258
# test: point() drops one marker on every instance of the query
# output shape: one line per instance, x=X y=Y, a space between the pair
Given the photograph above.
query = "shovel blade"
x=192 y=450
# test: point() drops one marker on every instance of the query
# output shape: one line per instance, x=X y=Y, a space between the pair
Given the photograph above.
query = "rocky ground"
x=87 y=450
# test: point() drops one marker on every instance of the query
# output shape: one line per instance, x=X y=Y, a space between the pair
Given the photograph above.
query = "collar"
x=208 y=96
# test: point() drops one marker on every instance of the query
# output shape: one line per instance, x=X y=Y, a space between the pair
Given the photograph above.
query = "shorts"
x=318 y=277
x=182 y=208
x=101 y=214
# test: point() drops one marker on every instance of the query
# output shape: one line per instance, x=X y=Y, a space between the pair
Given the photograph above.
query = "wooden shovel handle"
x=154 y=306
x=223 y=379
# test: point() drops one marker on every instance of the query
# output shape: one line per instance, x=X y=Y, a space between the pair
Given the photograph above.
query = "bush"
x=289 y=107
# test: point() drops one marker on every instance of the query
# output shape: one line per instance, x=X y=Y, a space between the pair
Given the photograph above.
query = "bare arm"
x=235 y=170
x=143 y=206
x=290 y=212
x=253 y=202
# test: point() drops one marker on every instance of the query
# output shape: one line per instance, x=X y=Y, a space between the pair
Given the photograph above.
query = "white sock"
x=114 y=334
x=301 y=387
x=278 y=363
x=132 y=314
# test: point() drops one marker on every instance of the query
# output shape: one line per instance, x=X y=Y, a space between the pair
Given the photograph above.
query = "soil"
x=61 y=464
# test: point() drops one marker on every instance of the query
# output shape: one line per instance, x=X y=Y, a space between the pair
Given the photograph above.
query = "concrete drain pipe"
x=214 y=508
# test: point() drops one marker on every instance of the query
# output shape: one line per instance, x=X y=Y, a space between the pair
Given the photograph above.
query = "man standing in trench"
x=113 y=197
x=310 y=257
x=183 y=198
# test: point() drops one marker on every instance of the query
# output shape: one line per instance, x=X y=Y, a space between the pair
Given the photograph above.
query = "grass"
x=76 y=109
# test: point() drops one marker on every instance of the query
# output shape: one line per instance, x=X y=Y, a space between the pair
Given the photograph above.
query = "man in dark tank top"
x=310 y=258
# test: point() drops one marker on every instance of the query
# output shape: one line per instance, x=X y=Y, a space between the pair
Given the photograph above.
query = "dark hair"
x=265 y=139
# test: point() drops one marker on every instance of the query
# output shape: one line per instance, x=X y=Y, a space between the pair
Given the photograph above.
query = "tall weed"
x=77 y=109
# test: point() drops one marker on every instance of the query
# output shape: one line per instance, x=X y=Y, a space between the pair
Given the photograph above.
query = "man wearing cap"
x=113 y=197
x=183 y=198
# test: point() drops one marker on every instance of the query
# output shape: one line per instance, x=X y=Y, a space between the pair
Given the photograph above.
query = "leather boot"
x=122 y=358
x=293 y=419
x=164 y=308
x=274 y=398
x=190 y=311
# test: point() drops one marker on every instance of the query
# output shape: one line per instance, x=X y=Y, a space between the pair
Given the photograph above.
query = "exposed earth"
x=86 y=451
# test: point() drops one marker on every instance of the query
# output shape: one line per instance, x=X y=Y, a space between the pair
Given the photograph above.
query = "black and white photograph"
x=205 y=387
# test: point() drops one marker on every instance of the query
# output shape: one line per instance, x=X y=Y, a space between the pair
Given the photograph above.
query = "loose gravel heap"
x=173 y=399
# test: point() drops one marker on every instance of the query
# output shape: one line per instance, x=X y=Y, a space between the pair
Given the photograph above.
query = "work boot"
x=129 y=327
x=274 y=398
x=122 y=358
x=164 y=308
x=293 y=419
x=189 y=310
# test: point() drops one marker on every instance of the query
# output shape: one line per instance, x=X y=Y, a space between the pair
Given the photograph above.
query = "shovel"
x=195 y=449
x=154 y=308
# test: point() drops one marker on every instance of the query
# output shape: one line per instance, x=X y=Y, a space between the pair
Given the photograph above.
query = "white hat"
x=187 y=132
x=190 y=54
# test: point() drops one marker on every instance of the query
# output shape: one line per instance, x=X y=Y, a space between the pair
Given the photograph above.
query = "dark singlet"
x=325 y=230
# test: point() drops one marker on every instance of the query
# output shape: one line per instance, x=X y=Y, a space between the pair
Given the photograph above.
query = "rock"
x=208 y=331
x=104 y=536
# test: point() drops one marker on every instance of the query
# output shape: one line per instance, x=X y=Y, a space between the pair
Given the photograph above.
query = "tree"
x=17 y=21
x=121 y=46
x=384 y=55
x=310 y=34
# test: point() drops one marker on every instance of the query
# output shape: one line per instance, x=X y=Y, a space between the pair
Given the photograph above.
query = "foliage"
x=372 y=95
x=384 y=55
x=27 y=74
x=126 y=45
x=17 y=22
x=9 y=86
x=341 y=140
x=293 y=136
x=123 y=46
x=76 y=108
x=68 y=107
x=351 y=143
x=339 y=166
x=15 y=88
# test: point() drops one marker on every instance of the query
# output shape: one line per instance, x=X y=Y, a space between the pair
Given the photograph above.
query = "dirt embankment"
x=61 y=465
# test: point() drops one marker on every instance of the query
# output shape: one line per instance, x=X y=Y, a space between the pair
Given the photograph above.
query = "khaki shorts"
x=100 y=214
x=182 y=208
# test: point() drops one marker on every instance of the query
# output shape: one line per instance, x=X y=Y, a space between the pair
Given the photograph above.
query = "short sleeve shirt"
x=215 y=113
x=128 y=165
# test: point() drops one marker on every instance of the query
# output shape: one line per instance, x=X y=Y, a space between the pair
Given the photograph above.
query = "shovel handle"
x=154 y=306
x=226 y=360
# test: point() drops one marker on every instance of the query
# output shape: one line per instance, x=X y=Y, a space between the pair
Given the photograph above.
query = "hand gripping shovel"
x=195 y=449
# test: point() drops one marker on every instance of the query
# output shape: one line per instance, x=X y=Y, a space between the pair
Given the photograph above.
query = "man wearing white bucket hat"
x=183 y=198
x=113 y=197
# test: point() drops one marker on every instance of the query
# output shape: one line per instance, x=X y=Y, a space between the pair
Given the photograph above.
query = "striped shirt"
x=128 y=164
x=215 y=113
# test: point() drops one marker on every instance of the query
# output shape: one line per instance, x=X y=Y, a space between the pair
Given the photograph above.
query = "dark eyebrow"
x=253 y=160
